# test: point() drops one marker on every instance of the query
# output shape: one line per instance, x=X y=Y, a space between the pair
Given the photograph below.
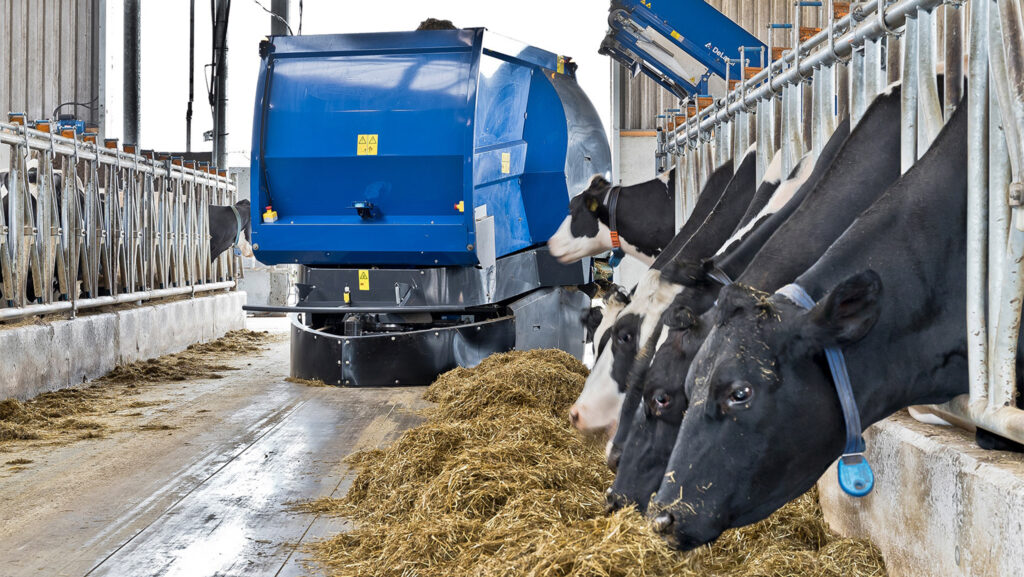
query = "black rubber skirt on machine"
x=389 y=359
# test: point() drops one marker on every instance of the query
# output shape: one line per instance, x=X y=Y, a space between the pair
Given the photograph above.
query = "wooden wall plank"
x=86 y=32
x=67 y=52
x=34 y=65
x=51 y=56
x=5 y=62
x=18 y=54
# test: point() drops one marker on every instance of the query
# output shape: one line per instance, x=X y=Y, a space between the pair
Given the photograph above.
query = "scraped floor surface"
x=206 y=488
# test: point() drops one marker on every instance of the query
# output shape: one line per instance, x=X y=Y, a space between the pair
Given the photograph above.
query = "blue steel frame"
x=614 y=48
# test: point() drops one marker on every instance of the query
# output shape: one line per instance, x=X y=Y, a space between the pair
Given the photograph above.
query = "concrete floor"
x=210 y=494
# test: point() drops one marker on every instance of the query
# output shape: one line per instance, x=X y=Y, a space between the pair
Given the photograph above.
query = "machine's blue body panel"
x=457 y=116
x=694 y=26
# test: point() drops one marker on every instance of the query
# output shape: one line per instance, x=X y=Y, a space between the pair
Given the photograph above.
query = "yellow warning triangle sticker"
x=373 y=140
x=364 y=275
x=362 y=140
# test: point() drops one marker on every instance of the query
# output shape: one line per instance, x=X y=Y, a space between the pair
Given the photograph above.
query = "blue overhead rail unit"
x=683 y=43
x=613 y=46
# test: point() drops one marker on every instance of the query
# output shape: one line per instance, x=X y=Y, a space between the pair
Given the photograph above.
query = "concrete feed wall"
x=65 y=353
x=941 y=506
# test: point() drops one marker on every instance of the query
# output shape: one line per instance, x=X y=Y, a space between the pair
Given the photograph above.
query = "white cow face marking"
x=583 y=233
x=568 y=248
x=598 y=404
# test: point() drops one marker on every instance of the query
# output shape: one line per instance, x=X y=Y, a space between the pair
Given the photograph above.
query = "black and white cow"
x=764 y=420
x=605 y=386
x=597 y=321
x=850 y=174
x=598 y=405
x=643 y=215
x=698 y=289
x=230 y=227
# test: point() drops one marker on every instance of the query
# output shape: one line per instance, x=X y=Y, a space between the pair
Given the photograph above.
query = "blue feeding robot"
x=415 y=177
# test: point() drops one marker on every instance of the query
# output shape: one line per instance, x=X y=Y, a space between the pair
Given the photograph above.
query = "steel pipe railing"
x=845 y=72
x=843 y=47
x=82 y=222
x=91 y=303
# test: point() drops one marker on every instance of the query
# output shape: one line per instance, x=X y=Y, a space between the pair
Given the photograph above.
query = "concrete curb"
x=64 y=353
x=941 y=505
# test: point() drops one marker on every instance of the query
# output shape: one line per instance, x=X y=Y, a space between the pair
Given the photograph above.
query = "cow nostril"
x=663 y=523
x=612 y=501
x=574 y=414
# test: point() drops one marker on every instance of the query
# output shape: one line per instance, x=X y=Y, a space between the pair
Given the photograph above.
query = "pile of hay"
x=86 y=412
x=196 y=362
x=496 y=483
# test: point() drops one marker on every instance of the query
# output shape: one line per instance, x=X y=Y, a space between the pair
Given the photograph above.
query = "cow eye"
x=662 y=399
x=625 y=337
x=740 y=394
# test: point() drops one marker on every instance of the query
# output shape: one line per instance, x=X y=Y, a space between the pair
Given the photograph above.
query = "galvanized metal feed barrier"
x=794 y=104
x=84 y=225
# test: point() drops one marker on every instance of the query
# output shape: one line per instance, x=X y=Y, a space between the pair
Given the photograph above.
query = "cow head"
x=585 y=231
x=764 y=421
x=245 y=242
x=598 y=405
x=646 y=437
x=591 y=409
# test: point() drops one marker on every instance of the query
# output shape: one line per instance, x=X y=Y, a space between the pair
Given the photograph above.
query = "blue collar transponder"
x=616 y=258
x=855 y=475
x=238 y=231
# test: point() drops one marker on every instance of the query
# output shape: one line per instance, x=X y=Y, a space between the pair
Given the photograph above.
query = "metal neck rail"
x=793 y=105
x=83 y=226
x=828 y=50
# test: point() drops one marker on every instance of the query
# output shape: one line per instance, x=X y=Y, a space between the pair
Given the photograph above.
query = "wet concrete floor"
x=206 y=488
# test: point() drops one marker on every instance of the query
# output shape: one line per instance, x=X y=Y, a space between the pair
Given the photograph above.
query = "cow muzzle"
x=245 y=248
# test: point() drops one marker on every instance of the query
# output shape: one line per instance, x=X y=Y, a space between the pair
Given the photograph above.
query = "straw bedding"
x=495 y=483
x=87 y=412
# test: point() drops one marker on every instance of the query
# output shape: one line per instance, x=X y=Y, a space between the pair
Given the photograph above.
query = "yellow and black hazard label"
x=364 y=279
x=366 y=145
x=506 y=162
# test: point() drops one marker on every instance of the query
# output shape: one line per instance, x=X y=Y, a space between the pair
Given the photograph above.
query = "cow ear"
x=621 y=296
x=598 y=184
x=732 y=300
x=847 y=313
x=679 y=317
x=686 y=273
x=591 y=319
x=592 y=289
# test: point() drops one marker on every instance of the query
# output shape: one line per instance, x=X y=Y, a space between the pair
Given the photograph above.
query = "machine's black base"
x=399 y=358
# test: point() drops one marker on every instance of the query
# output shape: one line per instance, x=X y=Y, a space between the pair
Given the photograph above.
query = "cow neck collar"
x=720 y=275
x=855 y=475
x=238 y=230
x=613 y=203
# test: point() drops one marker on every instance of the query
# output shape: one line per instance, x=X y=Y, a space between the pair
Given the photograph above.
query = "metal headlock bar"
x=826 y=53
x=792 y=104
x=84 y=225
